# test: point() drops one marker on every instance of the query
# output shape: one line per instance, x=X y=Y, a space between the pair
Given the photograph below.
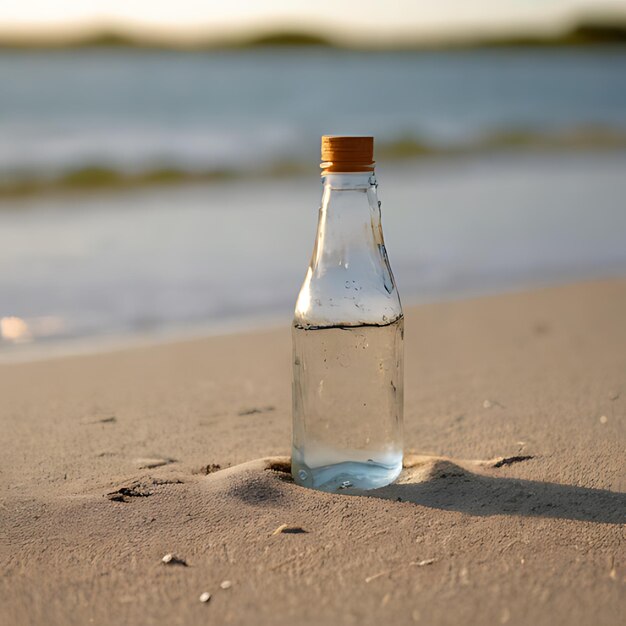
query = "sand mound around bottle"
x=476 y=487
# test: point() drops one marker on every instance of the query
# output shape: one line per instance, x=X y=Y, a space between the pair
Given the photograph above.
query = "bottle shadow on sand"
x=444 y=484
x=467 y=486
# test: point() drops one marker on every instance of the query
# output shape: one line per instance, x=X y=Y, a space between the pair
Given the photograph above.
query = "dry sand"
x=514 y=513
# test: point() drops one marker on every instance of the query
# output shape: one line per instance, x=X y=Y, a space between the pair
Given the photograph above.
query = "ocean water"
x=197 y=258
x=240 y=110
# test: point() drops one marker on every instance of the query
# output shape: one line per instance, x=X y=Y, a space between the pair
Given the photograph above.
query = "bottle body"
x=348 y=336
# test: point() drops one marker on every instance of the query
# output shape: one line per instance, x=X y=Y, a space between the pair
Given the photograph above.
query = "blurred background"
x=159 y=161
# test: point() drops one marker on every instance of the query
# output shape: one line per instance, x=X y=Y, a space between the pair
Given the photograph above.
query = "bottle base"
x=346 y=475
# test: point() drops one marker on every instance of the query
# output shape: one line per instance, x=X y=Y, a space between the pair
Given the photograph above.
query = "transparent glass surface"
x=348 y=348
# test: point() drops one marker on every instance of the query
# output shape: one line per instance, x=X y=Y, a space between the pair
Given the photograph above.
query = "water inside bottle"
x=348 y=391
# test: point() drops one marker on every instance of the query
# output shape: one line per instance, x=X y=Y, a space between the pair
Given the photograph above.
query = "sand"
x=511 y=510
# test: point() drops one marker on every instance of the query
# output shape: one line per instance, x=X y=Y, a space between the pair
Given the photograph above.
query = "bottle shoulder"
x=349 y=280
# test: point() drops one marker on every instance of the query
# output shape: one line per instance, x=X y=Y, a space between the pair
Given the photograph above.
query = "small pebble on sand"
x=226 y=584
x=152 y=463
x=289 y=530
x=171 y=559
x=205 y=597
x=487 y=404
x=603 y=419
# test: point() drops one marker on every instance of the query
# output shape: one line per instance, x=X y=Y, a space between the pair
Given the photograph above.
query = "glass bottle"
x=348 y=331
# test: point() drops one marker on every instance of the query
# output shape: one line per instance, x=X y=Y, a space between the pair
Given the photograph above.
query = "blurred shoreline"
x=111 y=342
x=231 y=255
x=100 y=177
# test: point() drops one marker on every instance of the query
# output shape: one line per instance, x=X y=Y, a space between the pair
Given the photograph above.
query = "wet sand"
x=83 y=267
x=511 y=508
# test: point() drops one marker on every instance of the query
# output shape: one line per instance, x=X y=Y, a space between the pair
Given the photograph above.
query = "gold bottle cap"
x=344 y=153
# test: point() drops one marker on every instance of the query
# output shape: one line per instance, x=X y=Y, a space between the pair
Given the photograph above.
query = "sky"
x=378 y=19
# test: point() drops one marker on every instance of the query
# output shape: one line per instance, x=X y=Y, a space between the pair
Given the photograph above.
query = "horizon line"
x=593 y=27
x=103 y=40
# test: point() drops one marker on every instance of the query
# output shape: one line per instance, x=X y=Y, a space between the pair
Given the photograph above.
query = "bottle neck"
x=349 y=221
x=348 y=181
